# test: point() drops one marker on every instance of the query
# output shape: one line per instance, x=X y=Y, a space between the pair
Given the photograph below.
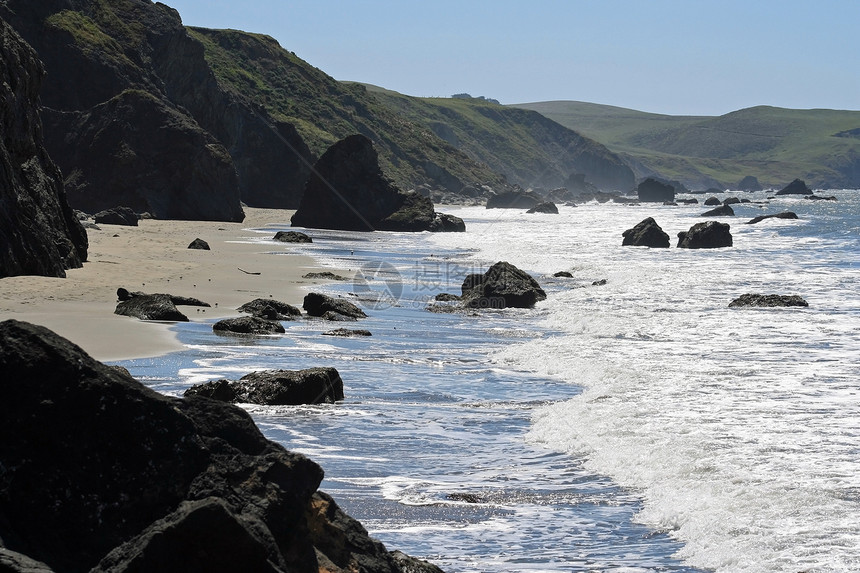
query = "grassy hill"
x=773 y=144
x=444 y=143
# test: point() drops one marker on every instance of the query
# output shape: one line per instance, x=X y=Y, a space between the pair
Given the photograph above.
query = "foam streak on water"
x=739 y=427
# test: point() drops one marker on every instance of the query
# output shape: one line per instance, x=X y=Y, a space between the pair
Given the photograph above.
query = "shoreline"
x=154 y=258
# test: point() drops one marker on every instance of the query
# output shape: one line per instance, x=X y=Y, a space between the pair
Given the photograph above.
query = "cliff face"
x=38 y=232
x=96 y=52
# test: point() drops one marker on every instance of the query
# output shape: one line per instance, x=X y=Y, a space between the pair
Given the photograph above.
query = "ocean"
x=633 y=425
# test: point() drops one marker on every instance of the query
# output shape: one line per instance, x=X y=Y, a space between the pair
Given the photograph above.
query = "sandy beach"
x=154 y=258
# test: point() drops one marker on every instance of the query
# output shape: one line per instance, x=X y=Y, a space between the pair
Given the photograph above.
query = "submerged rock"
x=722 y=211
x=249 y=325
x=646 y=233
x=708 y=235
x=783 y=215
x=768 y=300
x=276 y=387
x=327 y=275
x=502 y=286
x=347 y=333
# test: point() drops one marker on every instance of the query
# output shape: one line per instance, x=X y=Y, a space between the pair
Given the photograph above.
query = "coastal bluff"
x=105 y=474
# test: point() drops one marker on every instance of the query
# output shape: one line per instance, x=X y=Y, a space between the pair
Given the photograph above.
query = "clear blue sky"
x=693 y=57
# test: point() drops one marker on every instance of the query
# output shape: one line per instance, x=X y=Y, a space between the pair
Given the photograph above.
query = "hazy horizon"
x=664 y=56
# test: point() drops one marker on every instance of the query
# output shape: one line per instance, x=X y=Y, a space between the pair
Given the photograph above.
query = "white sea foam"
x=740 y=428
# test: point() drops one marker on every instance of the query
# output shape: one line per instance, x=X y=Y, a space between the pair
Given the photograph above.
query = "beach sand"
x=154 y=258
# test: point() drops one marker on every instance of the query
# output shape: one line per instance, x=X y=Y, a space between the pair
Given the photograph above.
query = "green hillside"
x=775 y=145
x=528 y=148
x=325 y=111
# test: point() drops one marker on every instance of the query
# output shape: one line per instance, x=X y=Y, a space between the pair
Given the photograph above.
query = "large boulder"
x=347 y=190
x=199 y=244
x=646 y=233
x=749 y=183
x=712 y=201
x=321 y=305
x=292 y=237
x=150 y=307
x=783 y=215
x=708 y=235
x=721 y=211
x=445 y=223
x=547 y=207
x=276 y=387
x=514 y=200
x=40 y=233
x=502 y=286
x=768 y=300
x=105 y=474
x=124 y=216
x=270 y=309
x=653 y=191
x=796 y=187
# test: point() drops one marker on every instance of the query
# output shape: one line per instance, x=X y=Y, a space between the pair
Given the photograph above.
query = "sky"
x=693 y=57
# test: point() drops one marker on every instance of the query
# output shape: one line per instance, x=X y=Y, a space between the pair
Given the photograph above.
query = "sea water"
x=633 y=425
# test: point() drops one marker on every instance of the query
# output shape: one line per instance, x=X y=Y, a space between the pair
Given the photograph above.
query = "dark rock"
x=502 y=286
x=547 y=207
x=653 y=191
x=769 y=300
x=711 y=201
x=316 y=304
x=670 y=204
x=327 y=275
x=514 y=200
x=117 y=216
x=783 y=215
x=199 y=244
x=446 y=297
x=137 y=149
x=150 y=307
x=270 y=309
x=105 y=474
x=347 y=190
x=276 y=387
x=337 y=317
x=600 y=282
x=249 y=325
x=40 y=233
x=292 y=237
x=408 y=564
x=563 y=274
x=708 y=235
x=646 y=233
x=691 y=201
x=749 y=183
x=345 y=332
x=821 y=197
x=444 y=223
x=731 y=201
x=465 y=497
x=123 y=294
x=721 y=211
x=796 y=187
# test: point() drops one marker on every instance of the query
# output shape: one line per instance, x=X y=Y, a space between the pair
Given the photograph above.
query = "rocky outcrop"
x=796 y=187
x=712 y=201
x=105 y=474
x=514 y=200
x=117 y=216
x=139 y=150
x=653 y=191
x=248 y=325
x=502 y=286
x=292 y=237
x=547 y=207
x=646 y=233
x=721 y=211
x=40 y=234
x=749 y=183
x=768 y=300
x=348 y=190
x=320 y=305
x=783 y=215
x=708 y=235
x=445 y=223
x=270 y=309
x=150 y=307
x=276 y=387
